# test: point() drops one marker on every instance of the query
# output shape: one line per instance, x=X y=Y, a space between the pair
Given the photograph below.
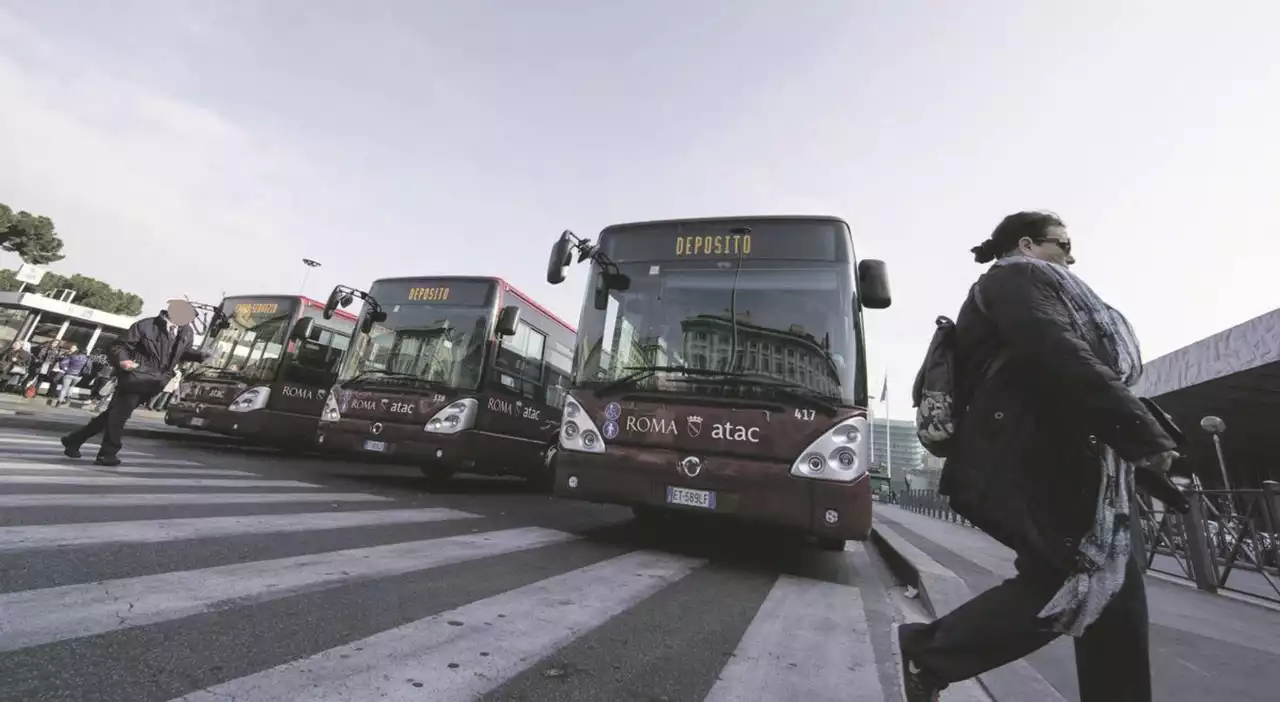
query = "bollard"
x=1271 y=518
x=1271 y=506
x=1204 y=569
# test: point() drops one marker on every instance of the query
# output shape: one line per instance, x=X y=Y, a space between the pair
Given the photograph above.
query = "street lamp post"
x=1215 y=426
x=309 y=263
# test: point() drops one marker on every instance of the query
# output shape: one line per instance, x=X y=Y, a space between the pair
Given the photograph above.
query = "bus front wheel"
x=827 y=543
x=544 y=479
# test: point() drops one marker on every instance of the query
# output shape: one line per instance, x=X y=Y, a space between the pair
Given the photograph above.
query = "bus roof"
x=550 y=315
x=505 y=286
x=308 y=302
x=739 y=218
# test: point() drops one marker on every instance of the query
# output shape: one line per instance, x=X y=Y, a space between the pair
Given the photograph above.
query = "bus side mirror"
x=331 y=305
x=303 y=329
x=217 y=327
x=873 y=284
x=370 y=318
x=507 y=320
x=561 y=257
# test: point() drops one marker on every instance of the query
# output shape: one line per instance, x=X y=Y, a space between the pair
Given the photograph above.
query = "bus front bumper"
x=767 y=494
x=400 y=443
x=266 y=425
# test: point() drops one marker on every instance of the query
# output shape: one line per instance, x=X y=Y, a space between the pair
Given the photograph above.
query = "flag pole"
x=888 y=432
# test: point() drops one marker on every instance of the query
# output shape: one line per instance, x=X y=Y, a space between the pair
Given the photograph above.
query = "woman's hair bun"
x=985 y=252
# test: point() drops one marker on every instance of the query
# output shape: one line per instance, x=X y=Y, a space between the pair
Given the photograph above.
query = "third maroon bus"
x=721 y=369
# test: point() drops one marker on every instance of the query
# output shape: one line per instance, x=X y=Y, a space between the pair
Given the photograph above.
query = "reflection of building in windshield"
x=629 y=349
x=793 y=355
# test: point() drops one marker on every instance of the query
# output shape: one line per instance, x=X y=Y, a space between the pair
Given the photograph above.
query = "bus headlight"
x=839 y=455
x=577 y=431
x=254 y=398
x=331 y=413
x=456 y=417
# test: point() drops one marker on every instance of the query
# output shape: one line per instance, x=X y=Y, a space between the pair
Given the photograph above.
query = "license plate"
x=197 y=421
x=375 y=445
x=691 y=498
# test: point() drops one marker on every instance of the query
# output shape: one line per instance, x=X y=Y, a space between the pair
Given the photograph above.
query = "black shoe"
x=107 y=460
x=69 y=448
x=916 y=683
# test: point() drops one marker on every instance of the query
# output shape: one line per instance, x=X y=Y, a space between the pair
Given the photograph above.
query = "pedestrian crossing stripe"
x=113 y=480
x=808 y=639
x=17 y=538
x=35 y=617
x=166 y=499
x=32 y=468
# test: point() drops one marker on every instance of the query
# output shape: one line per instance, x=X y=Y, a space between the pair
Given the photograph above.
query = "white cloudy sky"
x=196 y=147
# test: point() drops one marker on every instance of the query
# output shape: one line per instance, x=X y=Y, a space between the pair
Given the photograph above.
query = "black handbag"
x=1155 y=483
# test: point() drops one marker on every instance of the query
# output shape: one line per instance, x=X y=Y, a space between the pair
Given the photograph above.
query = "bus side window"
x=520 y=362
x=315 y=362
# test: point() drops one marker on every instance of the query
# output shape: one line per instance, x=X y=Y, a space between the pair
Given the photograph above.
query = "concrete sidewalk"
x=35 y=414
x=1203 y=646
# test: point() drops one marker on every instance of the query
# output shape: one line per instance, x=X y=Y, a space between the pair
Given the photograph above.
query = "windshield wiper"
x=789 y=388
x=207 y=372
x=642 y=372
x=381 y=374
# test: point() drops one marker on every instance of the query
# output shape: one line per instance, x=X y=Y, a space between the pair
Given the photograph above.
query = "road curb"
x=19 y=420
x=942 y=591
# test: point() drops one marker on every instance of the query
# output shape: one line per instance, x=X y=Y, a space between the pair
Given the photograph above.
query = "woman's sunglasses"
x=1064 y=245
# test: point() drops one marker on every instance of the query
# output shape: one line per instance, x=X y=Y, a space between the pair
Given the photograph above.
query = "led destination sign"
x=433 y=291
x=800 y=239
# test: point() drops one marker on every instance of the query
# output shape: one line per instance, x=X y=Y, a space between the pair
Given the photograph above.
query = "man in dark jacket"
x=1043 y=375
x=145 y=358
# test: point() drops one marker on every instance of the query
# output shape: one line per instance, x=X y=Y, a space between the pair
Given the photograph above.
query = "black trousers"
x=109 y=423
x=1000 y=626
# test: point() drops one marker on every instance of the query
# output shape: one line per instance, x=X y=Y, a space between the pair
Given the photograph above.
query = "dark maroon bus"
x=275 y=358
x=721 y=369
x=451 y=374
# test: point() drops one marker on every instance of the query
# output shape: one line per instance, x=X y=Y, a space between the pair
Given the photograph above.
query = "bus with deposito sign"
x=721 y=368
x=451 y=374
x=274 y=359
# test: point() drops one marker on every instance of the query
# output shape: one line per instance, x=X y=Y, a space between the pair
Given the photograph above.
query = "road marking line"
x=24 y=538
x=36 y=617
x=463 y=653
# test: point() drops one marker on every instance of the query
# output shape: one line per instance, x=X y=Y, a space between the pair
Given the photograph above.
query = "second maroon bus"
x=451 y=374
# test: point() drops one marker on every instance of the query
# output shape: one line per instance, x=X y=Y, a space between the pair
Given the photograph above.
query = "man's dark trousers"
x=109 y=423
x=1001 y=625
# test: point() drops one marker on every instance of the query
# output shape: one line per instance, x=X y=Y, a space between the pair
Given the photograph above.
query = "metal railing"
x=1228 y=540
x=926 y=502
x=1226 y=533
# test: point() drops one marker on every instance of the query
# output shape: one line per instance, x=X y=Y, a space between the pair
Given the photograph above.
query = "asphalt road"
x=240 y=574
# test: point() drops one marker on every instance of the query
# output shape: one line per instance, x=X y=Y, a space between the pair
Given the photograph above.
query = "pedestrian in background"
x=71 y=367
x=1047 y=446
x=16 y=368
x=145 y=359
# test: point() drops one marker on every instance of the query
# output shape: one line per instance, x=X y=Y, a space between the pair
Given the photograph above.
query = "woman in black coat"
x=1045 y=457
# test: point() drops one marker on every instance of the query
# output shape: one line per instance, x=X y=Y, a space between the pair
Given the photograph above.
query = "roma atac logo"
x=694 y=425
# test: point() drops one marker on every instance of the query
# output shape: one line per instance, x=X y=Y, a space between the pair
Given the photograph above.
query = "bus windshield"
x=250 y=348
x=765 y=306
x=434 y=335
x=782 y=321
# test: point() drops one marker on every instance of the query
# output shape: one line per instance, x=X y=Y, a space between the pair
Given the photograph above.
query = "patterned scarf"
x=1104 y=552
